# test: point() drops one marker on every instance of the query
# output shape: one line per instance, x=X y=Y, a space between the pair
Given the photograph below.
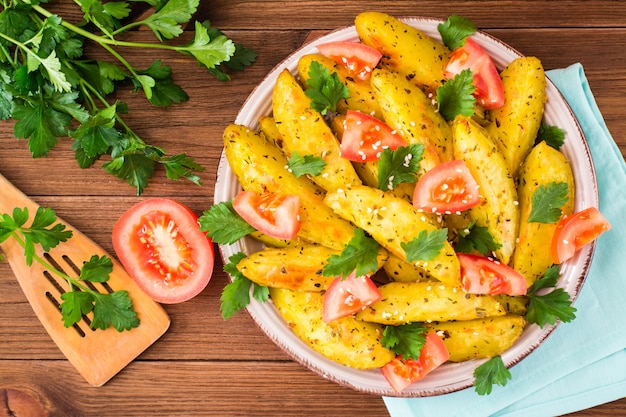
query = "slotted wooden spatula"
x=97 y=354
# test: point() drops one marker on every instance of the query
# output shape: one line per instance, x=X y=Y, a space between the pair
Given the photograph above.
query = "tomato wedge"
x=160 y=245
x=276 y=215
x=348 y=296
x=575 y=231
x=447 y=188
x=365 y=137
x=487 y=82
x=360 y=59
x=482 y=275
x=400 y=373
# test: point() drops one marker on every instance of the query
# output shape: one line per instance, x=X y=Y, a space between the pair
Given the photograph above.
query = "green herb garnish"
x=360 y=256
x=426 y=246
x=406 y=339
x=552 y=306
x=223 y=224
x=325 y=90
x=547 y=201
x=491 y=372
x=455 y=97
x=401 y=165
x=305 y=165
x=236 y=295
x=455 y=30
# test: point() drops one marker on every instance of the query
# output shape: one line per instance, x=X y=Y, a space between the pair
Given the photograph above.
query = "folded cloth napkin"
x=582 y=363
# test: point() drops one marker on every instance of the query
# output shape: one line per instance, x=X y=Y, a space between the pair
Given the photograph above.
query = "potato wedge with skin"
x=498 y=209
x=406 y=302
x=479 y=338
x=514 y=304
x=401 y=271
x=347 y=341
x=407 y=109
x=543 y=166
x=297 y=268
x=305 y=131
x=405 y=48
x=392 y=221
x=514 y=126
x=361 y=97
x=260 y=166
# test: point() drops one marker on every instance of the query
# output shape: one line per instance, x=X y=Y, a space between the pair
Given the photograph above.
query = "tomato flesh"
x=482 y=275
x=447 y=188
x=487 y=82
x=159 y=243
x=358 y=58
x=400 y=373
x=348 y=296
x=365 y=137
x=575 y=231
x=276 y=215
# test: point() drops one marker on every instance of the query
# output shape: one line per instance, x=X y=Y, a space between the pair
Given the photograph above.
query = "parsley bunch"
x=52 y=90
x=109 y=309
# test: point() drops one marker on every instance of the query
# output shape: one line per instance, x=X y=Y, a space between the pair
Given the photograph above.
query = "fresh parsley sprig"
x=300 y=165
x=406 y=340
x=325 y=89
x=223 y=224
x=489 y=373
x=455 y=97
x=547 y=201
x=236 y=295
x=426 y=246
x=455 y=30
x=109 y=309
x=398 y=166
x=476 y=238
x=553 y=136
x=547 y=308
x=358 y=256
x=52 y=90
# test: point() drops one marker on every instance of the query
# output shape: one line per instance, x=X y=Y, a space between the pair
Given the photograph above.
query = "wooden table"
x=204 y=365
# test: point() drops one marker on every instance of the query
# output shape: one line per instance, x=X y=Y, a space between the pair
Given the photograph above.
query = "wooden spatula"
x=97 y=354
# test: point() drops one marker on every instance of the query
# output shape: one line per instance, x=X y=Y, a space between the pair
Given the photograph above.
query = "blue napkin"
x=582 y=363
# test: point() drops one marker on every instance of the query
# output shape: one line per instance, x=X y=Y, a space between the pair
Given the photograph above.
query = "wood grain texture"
x=204 y=365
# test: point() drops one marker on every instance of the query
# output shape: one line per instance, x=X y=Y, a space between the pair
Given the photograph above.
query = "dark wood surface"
x=204 y=365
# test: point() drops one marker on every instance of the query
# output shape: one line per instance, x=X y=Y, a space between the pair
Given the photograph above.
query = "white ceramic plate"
x=449 y=377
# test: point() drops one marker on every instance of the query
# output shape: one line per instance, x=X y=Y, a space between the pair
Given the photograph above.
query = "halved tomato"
x=489 y=91
x=348 y=296
x=276 y=215
x=400 y=373
x=365 y=137
x=482 y=275
x=160 y=245
x=447 y=188
x=360 y=59
x=575 y=231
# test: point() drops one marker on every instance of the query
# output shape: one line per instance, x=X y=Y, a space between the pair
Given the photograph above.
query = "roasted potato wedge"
x=347 y=341
x=406 y=302
x=361 y=97
x=405 y=48
x=498 y=210
x=407 y=109
x=297 y=268
x=392 y=221
x=305 y=131
x=479 y=338
x=543 y=166
x=514 y=126
x=402 y=271
x=260 y=166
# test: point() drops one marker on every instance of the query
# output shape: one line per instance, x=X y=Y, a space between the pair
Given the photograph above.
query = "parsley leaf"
x=401 y=165
x=109 y=309
x=455 y=96
x=476 y=238
x=547 y=308
x=455 y=30
x=165 y=22
x=426 y=246
x=236 y=295
x=358 y=256
x=547 y=201
x=164 y=92
x=223 y=224
x=553 y=136
x=491 y=372
x=406 y=339
x=305 y=165
x=325 y=89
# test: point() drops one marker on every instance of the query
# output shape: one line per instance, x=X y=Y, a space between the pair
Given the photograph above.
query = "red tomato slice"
x=365 y=137
x=447 y=188
x=575 y=231
x=160 y=245
x=482 y=275
x=489 y=91
x=348 y=296
x=400 y=373
x=276 y=215
x=360 y=59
